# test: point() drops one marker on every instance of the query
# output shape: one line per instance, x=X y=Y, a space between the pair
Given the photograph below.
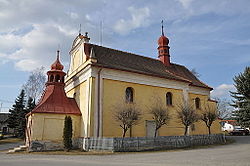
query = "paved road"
x=236 y=154
x=10 y=146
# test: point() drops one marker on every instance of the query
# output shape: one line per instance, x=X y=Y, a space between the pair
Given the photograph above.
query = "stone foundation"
x=131 y=143
x=145 y=143
x=39 y=146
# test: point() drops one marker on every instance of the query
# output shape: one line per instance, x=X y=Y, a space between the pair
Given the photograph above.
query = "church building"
x=99 y=79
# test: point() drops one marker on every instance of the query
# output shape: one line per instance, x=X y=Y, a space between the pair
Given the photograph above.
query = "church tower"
x=56 y=74
x=163 y=48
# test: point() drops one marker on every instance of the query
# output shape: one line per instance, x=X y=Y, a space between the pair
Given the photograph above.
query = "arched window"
x=129 y=96
x=51 y=78
x=197 y=103
x=169 y=98
x=62 y=79
x=57 y=78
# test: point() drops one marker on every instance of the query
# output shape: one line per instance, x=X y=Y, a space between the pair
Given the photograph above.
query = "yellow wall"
x=114 y=93
x=50 y=126
x=200 y=127
x=84 y=96
x=78 y=58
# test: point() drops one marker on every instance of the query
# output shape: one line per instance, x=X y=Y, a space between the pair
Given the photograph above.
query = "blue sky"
x=211 y=36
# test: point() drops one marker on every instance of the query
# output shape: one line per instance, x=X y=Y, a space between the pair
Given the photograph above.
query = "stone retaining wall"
x=144 y=143
x=132 y=143
x=39 y=146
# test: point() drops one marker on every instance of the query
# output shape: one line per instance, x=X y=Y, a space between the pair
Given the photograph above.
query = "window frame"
x=129 y=95
x=169 y=99
x=197 y=102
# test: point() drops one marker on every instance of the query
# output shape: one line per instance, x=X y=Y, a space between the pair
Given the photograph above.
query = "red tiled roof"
x=54 y=100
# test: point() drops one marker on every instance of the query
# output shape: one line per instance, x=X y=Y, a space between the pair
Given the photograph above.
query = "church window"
x=129 y=95
x=169 y=98
x=197 y=103
x=62 y=79
x=57 y=78
x=51 y=78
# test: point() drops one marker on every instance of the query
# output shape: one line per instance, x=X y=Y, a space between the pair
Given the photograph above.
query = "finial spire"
x=58 y=52
x=162 y=32
x=80 y=29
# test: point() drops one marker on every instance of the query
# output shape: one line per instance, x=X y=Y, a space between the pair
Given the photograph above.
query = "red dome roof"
x=57 y=64
x=163 y=41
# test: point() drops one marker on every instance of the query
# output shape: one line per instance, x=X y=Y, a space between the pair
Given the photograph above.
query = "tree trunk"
x=124 y=133
x=155 y=132
x=186 y=129
x=209 y=130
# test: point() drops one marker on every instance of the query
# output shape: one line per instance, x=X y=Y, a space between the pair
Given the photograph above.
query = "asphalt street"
x=236 y=154
x=8 y=146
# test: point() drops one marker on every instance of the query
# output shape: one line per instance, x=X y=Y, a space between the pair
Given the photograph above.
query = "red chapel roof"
x=54 y=99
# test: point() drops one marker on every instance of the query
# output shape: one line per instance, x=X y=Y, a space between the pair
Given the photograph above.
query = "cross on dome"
x=163 y=40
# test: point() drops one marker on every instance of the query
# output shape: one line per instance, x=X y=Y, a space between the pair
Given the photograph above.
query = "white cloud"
x=8 y=43
x=27 y=64
x=37 y=47
x=222 y=91
x=73 y=15
x=186 y=3
x=40 y=31
x=139 y=17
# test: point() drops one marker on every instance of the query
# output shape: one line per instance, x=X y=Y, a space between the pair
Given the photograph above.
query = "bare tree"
x=127 y=115
x=224 y=108
x=35 y=84
x=208 y=116
x=187 y=115
x=160 y=115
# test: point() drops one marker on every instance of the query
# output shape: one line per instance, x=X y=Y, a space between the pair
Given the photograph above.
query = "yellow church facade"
x=99 y=79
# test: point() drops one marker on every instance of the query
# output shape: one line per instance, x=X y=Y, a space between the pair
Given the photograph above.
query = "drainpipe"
x=98 y=101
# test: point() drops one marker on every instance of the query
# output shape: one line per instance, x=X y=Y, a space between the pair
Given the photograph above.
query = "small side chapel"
x=100 y=78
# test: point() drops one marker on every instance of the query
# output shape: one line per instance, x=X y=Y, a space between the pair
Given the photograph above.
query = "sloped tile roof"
x=54 y=100
x=111 y=58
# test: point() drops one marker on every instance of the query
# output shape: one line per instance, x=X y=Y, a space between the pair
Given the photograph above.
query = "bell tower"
x=56 y=74
x=163 y=48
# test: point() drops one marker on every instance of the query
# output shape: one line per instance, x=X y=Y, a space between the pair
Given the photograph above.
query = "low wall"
x=131 y=143
x=144 y=143
x=39 y=146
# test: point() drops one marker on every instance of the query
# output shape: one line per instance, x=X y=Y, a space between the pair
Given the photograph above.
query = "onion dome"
x=163 y=40
x=57 y=64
